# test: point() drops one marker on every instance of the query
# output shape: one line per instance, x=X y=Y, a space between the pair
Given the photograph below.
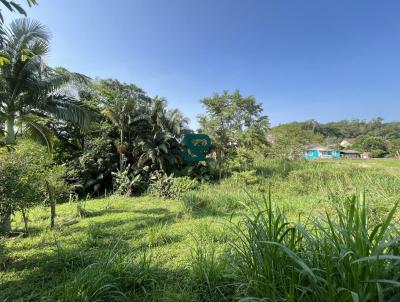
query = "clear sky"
x=322 y=59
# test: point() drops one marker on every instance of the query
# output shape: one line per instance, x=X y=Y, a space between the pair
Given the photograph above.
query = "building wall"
x=329 y=154
x=311 y=154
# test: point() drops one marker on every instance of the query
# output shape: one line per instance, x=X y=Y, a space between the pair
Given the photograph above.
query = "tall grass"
x=115 y=275
x=344 y=256
x=210 y=273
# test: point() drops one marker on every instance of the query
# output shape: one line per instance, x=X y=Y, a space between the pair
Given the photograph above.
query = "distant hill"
x=376 y=136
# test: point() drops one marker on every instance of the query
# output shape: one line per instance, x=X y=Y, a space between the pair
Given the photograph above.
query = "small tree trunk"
x=52 y=212
x=10 y=131
x=25 y=217
x=220 y=162
x=52 y=204
x=121 y=155
x=5 y=223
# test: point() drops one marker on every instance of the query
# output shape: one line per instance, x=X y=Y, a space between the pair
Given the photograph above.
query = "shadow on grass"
x=127 y=228
x=86 y=268
x=49 y=273
x=89 y=274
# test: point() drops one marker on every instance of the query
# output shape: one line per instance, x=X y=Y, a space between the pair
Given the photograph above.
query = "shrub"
x=170 y=187
x=377 y=153
x=22 y=180
x=245 y=177
x=161 y=187
x=126 y=183
x=181 y=185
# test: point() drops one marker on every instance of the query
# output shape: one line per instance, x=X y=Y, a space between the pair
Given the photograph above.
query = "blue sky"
x=322 y=59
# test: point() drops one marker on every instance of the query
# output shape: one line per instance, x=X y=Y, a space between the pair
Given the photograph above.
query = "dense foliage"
x=134 y=137
x=66 y=136
x=375 y=136
x=24 y=174
x=234 y=123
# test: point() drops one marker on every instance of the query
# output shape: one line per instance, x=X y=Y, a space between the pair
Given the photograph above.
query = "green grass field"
x=151 y=249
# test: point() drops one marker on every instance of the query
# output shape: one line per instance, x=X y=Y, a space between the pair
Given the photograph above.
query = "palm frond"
x=111 y=115
x=33 y=129
x=32 y=2
x=18 y=8
x=69 y=109
x=12 y=6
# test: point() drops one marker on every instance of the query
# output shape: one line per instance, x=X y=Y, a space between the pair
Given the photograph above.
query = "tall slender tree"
x=29 y=88
x=31 y=91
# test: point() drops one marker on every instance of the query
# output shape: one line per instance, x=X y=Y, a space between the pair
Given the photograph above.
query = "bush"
x=181 y=185
x=27 y=178
x=245 y=177
x=175 y=188
x=377 y=153
x=127 y=183
x=22 y=179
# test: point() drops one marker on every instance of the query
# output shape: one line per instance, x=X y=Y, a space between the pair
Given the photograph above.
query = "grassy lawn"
x=161 y=246
x=147 y=227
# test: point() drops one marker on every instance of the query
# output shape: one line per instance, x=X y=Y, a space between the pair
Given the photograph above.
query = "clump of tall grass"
x=115 y=275
x=209 y=271
x=158 y=235
x=278 y=168
x=67 y=260
x=95 y=235
x=344 y=256
x=224 y=197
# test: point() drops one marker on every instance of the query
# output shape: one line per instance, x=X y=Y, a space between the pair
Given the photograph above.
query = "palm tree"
x=12 y=6
x=161 y=151
x=171 y=122
x=123 y=106
x=160 y=148
x=31 y=90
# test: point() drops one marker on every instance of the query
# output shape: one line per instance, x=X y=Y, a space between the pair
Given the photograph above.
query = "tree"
x=112 y=150
x=30 y=91
x=158 y=146
x=12 y=6
x=55 y=189
x=22 y=174
x=123 y=105
x=377 y=146
x=161 y=151
x=232 y=121
x=290 y=140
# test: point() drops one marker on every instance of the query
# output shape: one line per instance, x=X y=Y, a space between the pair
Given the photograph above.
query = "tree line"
x=379 y=138
x=64 y=135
